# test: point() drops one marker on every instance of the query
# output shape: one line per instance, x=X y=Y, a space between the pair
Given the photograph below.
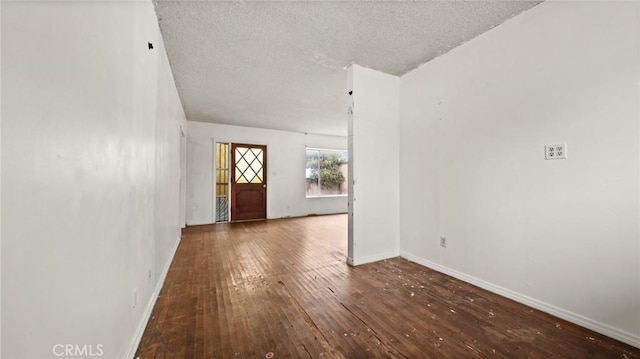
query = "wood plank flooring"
x=282 y=289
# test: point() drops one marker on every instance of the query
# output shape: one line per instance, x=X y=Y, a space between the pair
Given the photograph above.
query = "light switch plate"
x=556 y=151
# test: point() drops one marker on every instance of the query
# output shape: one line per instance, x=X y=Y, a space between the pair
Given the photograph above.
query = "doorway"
x=248 y=182
x=222 y=188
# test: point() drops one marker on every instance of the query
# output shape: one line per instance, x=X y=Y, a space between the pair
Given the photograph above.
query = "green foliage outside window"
x=330 y=173
x=326 y=172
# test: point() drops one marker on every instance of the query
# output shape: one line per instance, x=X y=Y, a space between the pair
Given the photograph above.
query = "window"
x=326 y=172
x=222 y=182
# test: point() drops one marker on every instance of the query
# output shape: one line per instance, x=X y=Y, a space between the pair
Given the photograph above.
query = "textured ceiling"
x=282 y=65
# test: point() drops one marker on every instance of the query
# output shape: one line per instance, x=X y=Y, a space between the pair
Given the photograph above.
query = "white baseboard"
x=580 y=320
x=350 y=261
x=152 y=302
x=358 y=260
x=199 y=223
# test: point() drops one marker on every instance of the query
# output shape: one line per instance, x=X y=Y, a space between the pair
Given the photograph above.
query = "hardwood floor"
x=282 y=289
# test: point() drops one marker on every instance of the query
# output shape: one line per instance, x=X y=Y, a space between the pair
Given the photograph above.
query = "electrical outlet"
x=443 y=241
x=555 y=152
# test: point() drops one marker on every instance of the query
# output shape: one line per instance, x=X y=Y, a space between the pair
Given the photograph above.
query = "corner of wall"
x=374 y=128
x=144 y=320
x=558 y=73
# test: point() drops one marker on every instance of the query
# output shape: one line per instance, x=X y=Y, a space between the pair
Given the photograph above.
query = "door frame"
x=232 y=171
x=214 y=178
x=182 y=216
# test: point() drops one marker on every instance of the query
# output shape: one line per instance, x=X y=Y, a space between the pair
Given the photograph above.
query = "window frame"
x=343 y=152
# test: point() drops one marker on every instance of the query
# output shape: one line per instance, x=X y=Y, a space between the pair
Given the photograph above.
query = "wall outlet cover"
x=556 y=151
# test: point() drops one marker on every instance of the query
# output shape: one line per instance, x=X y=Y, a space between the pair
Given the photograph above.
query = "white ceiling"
x=282 y=65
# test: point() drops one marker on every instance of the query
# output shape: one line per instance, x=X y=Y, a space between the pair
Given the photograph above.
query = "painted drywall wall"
x=169 y=182
x=0 y=180
x=90 y=168
x=285 y=162
x=560 y=235
x=373 y=145
x=170 y=121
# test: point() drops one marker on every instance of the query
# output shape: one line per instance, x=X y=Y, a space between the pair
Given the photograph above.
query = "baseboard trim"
x=350 y=261
x=152 y=302
x=198 y=223
x=356 y=261
x=580 y=320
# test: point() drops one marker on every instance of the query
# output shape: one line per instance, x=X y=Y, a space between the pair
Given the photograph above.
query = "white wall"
x=373 y=149
x=560 y=235
x=90 y=164
x=0 y=181
x=286 y=160
x=170 y=163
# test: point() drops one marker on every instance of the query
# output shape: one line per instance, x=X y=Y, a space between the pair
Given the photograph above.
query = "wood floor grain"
x=282 y=289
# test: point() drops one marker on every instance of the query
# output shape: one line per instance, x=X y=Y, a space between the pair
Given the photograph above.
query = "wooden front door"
x=248 y=182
